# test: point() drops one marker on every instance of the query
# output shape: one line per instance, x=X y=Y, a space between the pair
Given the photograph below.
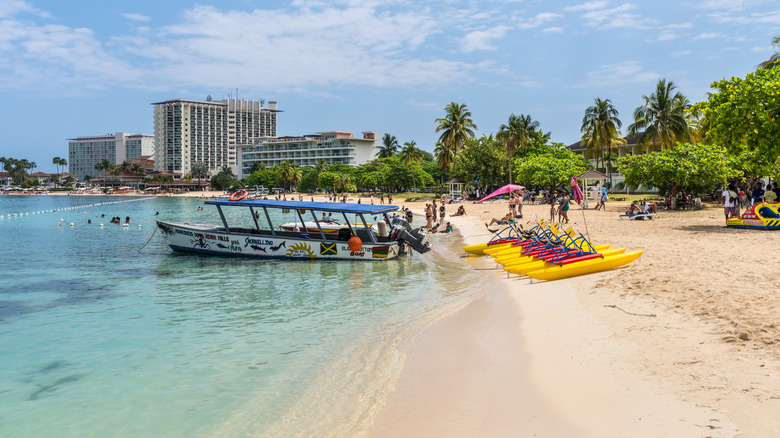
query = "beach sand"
x=584 y=356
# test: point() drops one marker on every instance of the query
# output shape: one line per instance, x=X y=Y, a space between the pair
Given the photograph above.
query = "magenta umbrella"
x=506 y=189
x=576 y=192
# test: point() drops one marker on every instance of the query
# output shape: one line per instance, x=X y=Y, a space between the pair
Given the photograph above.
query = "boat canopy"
x=304 y=205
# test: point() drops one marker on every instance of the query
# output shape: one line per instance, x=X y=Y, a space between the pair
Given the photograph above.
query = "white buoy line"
x=99 y=204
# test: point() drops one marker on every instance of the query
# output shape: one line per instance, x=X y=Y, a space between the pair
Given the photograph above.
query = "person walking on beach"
x=552 y=208
x=519 y=206
x=563 y=209
x=729 y=201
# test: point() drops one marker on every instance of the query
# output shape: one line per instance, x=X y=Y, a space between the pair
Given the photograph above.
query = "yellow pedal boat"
x=585 y=267
x=518 y=257
x=535 y=265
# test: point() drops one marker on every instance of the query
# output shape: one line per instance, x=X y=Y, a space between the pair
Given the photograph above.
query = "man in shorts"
x=730 y=202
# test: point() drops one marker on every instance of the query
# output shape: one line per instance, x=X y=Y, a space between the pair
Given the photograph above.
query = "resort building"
x=307 y=150
x=191 y=131
x=85 y=152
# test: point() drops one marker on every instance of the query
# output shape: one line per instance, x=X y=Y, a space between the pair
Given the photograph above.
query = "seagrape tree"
x=688 y=168
x=552 y=167
x=481 y=161
x=745 y=113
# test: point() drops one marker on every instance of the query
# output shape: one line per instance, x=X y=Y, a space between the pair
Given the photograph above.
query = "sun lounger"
x=638 y=216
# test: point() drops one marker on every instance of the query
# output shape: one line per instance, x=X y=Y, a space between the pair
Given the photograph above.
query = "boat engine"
x=404 y=233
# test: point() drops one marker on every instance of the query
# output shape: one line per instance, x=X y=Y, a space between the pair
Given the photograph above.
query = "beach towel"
x=576 y=192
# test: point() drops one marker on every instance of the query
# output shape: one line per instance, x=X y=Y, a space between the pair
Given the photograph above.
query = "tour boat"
x=256 y=235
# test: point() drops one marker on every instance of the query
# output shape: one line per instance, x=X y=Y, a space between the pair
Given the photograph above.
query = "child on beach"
x=552 y=209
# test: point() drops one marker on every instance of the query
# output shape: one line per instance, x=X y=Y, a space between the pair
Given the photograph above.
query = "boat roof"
x=304 y=205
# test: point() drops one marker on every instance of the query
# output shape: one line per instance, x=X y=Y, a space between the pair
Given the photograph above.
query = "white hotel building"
x=85 y=152
x=330 y=147
x=191 y=131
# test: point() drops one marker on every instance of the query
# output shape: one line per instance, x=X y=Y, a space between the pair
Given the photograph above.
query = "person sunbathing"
x=461 y=211
x=633 y=209
x=503 y=221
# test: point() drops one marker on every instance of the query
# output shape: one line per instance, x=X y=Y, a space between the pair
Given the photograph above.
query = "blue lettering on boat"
x=186 y=233
x=249 y=241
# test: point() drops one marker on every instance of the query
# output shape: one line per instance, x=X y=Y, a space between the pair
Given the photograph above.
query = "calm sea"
x=103 y=336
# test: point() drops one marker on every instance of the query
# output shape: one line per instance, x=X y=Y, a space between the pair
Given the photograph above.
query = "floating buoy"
x=71 y=224
x=355 y=243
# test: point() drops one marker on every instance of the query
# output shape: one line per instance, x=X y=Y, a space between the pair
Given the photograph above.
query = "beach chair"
x=638 y=216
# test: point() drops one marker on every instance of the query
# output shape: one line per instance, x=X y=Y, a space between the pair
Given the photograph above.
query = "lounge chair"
x=638 y=216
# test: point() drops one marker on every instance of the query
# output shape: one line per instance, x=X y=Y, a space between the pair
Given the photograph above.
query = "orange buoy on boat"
x=239 y=195
x=355 y=243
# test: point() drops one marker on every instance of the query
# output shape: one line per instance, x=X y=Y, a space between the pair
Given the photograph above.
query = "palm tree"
x=520 y=131
x=773 y=60
x=455 y=127
x=115 y=172
x=444 y=157
x=389 y=146
x=103 y=165
x=136 y=168
x=199 y=170
x=56 y=161
x=125 y=166
x=601 y=130
x=662 y=117
x=341 y=181
x=63 y=163
x=288 y=173
x=411 y=155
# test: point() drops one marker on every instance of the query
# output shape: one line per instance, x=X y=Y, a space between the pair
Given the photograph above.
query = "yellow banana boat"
x=535 y=265
x=585 y=267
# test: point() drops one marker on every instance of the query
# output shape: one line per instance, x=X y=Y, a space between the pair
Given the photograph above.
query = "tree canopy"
x=689 y=168
x=553 y=167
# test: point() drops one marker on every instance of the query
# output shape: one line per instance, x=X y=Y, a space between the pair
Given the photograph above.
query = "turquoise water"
x=99 y=339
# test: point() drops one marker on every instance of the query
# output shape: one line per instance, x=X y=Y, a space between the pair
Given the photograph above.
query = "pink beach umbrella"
x=576 y=192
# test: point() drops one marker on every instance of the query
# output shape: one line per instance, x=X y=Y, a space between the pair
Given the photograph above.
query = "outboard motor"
x=403 y=233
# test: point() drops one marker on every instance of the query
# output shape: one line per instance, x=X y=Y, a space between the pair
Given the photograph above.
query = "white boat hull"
x=210 y=239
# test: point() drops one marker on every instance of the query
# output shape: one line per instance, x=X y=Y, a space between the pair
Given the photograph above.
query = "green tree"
x=342 y=182
x=327 y=180
x=773 y=60
x=30 y=182
x=518 y=132
x=124 y=167
x=410 y=156
x=263 y=177
x=136 y=168
x=69 y=180
x=288 y=174
x=56 y=162
x=745 y=113
x=444 y=157
x=224 y=179
x=389 y=146
x=456 y=127
x=104 y=165
x=693 y=169
x=199 y=170
x=478 y=161
x=552 y=168
x=601 y=130
x=257 y=165
x=662 y=117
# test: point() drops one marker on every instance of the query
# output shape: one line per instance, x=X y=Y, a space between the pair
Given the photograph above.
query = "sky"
x=82 y=68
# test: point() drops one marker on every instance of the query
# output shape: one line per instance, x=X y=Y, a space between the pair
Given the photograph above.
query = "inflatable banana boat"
x=761 y=216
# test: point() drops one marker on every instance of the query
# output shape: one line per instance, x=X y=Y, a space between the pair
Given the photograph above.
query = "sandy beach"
x=683 y=342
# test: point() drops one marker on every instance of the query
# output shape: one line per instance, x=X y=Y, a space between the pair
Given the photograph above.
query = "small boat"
x=597 y=264
x=761 y=216
x=251 y=239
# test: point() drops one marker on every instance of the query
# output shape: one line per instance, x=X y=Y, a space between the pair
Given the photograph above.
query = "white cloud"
x=682 y=53
x=538 y=20
x=553 y=30
x=628 y=72
x=311 y=47
x=481 y=39
x=601 y=16
x=589 y=6
x=707 y=36
x=9 y=8
x=136 y=17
